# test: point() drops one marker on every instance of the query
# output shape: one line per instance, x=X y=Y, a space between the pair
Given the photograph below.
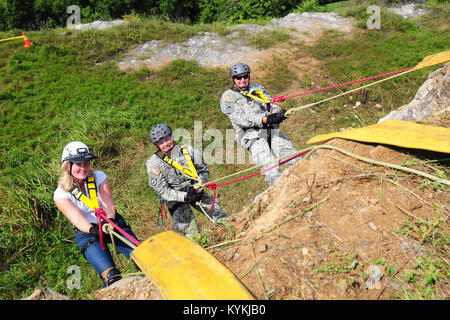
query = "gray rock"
x=432 y=97
x=210 y=49
x=374 y=280
x=41 y=293
x=408 y=11
x=99 y=25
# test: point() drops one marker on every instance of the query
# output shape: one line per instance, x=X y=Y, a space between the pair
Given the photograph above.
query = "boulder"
x=431 y=98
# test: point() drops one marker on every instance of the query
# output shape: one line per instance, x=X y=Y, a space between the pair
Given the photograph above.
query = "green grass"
x=66 y=87
x=269 y=38
x=430 y=274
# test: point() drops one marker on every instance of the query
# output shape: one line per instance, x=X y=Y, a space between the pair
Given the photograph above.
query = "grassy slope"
x=56 y=92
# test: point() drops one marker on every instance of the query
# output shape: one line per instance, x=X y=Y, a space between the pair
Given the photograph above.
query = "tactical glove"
x=94 y=231
x=192 y=195
x=276 y=118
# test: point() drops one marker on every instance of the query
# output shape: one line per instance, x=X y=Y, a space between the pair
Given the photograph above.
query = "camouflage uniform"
x=246 y=116
x=171 y=186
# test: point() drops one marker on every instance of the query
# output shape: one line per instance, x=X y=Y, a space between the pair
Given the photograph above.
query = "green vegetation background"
x=34 y=14
x=67 y=87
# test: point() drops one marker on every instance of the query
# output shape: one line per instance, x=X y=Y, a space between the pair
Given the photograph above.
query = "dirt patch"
x=355 y=213
x=130 y=288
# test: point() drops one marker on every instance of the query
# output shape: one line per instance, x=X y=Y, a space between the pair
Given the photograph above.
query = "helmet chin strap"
x=70 y=170
x=242 y=88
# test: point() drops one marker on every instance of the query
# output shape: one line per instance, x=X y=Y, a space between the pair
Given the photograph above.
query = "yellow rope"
x=326 y=146
x=260 y=165
x=290 y=111
x=13 y=38
x=109 y=229
x=386 y=164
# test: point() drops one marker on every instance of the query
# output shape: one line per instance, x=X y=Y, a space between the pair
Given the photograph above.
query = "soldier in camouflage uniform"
x=256 y=121
x=174 y=187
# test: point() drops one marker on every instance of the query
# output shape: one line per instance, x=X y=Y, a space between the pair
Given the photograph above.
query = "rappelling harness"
x=111 y=274
x=260 y=97
x=92 y=203
x=191 y=172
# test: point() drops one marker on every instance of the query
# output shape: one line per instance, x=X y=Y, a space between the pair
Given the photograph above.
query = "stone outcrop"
x=431 y=98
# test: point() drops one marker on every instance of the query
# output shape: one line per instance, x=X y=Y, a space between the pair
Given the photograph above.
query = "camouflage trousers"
x=183 y=218
x=261 y=153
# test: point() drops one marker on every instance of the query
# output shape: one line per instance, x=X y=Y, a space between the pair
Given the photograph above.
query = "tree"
x=19 y=14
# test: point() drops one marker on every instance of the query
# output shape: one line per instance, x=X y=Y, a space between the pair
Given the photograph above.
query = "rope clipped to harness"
x=428 y=61
x=102 y=215
x=92 y=203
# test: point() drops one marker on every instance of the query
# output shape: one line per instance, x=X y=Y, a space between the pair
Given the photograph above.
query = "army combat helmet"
x=239 y=68
x=159 y=132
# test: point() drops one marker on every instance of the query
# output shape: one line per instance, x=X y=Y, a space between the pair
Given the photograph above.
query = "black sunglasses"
x=242 y=77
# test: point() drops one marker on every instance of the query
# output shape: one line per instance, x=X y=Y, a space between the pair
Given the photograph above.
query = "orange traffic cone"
x=26 y=41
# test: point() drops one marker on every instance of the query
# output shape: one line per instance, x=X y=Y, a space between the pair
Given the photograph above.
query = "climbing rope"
x=132 y=242
x=290 y=111
x=346 y=83
x=213 y=185
x=108 y=228
x=428 y=61
x=12 y=38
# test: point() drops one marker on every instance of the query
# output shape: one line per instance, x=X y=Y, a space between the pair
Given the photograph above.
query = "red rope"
x=103 y=216
x=347 y=83
x=213 y=185
x=100 y=231
x=163 y=210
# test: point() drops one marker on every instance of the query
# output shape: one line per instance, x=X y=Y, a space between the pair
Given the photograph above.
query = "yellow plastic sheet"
x=434 y=59
x=397 y=133
x=183 y=270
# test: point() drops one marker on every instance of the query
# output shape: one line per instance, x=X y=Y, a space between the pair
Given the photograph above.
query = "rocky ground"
x=212 y=50
x=357 y=213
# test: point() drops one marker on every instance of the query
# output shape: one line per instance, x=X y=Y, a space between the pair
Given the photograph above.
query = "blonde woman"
x=75 y=170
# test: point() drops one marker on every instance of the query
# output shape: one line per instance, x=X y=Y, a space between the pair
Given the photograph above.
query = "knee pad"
x=111 y=275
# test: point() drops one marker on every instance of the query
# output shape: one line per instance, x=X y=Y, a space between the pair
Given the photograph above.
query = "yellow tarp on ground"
x=434 y=59
x=398 y=133
x=183 y=270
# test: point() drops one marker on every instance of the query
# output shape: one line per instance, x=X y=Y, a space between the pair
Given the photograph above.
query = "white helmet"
x=76 y=151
